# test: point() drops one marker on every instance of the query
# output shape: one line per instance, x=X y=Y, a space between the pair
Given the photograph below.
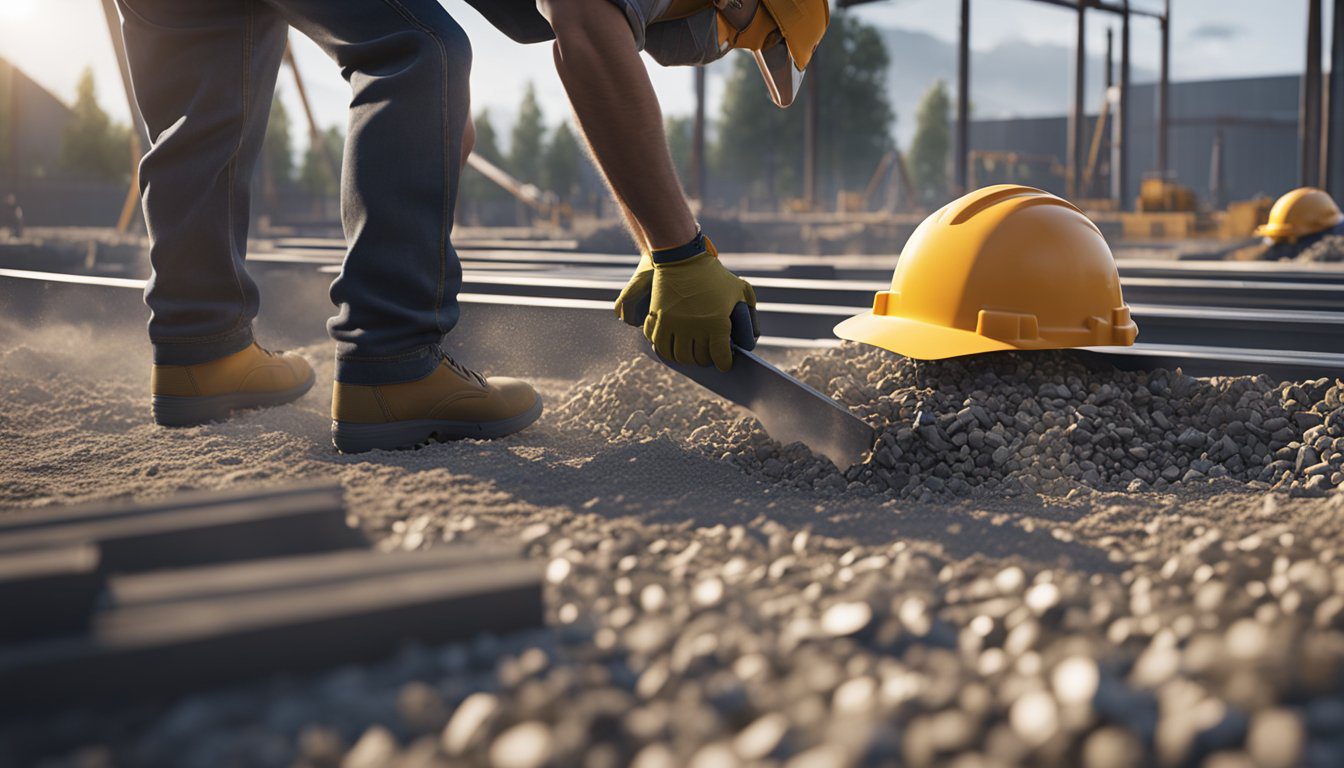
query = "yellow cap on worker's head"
x=1003 y=268
x=1302 y=212
x=782 y=36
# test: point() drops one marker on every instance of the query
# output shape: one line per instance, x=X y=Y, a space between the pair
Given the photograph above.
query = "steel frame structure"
x=1077 y=122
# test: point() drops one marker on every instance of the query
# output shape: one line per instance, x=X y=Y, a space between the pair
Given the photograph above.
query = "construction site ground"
x=714 y=599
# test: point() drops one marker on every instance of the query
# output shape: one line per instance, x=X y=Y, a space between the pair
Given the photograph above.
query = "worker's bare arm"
x=619 y=115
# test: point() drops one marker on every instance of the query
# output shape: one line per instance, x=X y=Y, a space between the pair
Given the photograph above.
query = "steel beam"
x=1077 y=118
x=1110 y=57
x=123 y=64
x=1164 y=96
x=1120 y=133
x=812 y=131
x=698 y=140
x=1309 y=105
x=1334 y=116
x=175 y=647
x=1217 y=172
x=963 y=148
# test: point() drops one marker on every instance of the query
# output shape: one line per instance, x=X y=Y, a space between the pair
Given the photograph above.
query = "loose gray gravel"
x=1328 y=248
x=1006 y=424
x=716 y=599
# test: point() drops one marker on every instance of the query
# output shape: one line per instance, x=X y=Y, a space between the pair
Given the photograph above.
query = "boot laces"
x=463 y=370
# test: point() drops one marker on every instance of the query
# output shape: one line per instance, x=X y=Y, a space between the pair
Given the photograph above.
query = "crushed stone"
x=1003 y=424
x=1328 y=248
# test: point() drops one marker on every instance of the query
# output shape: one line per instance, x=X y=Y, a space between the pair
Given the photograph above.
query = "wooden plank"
x=176 y=647
x=287 y=573
x=48 y=592
x=168 y=535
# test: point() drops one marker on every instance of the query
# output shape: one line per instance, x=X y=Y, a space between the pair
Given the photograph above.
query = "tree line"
x=754 y=151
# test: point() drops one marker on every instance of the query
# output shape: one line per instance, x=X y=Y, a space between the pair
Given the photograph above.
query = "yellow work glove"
x=690 y=309
x=632 y=306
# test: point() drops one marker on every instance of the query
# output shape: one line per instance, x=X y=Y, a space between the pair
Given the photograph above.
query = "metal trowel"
x=789 y=410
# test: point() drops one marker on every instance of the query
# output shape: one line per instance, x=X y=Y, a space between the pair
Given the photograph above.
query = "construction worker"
x=680 y=294
x=204 y=74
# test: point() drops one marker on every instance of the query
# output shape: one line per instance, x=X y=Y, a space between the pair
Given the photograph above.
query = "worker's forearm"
x=619 y=114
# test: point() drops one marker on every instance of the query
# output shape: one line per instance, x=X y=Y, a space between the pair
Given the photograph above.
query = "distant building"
x=1256 y=117
x=32 y=122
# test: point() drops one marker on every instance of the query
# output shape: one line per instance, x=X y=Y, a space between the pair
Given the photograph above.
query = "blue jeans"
x=204 y=73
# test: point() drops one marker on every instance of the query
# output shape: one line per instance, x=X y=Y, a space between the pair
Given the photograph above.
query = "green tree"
x=320 y=173
x=560 y=169
x=932 y=144
x=487 y=140
x=93 y=145
x=277 y=151
x=761 y=145
x=474 y=186
x=680 y=132
x=526 y=144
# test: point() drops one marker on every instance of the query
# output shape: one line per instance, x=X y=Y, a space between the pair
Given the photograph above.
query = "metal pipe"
x=812 y=132
x=119 y=48
x=1217 y=174
x=1110 y=57
x=1120 y=135
x=316 y=140
x=1119 y=8
x=1074 y=180
x=1164 y=96
x=698 y=139
x=1334 y=121
x=140 y=141
x=1309 y=105
x=963 y=99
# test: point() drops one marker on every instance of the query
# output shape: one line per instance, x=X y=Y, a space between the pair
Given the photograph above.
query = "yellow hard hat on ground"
x=1002 y=268
x=1304 y=211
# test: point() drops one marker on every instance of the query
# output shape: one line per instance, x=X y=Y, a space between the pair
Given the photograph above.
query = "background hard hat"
x=1302 y=212
x=1004 y=267
x=782 y=36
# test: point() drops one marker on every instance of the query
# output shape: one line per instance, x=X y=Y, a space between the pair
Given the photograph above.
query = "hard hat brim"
x=1276 y=231
x=915 y=338
x=783 y=78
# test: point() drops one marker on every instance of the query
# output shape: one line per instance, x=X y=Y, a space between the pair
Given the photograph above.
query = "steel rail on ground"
x=1287 y=345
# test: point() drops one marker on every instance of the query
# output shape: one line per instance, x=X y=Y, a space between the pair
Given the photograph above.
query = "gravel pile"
x=1328 y=248
x=1005 y=424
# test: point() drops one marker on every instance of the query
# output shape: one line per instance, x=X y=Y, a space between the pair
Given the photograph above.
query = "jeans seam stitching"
x=194 y=339
x=445 y=213
x=246 y=82
x=385 y=358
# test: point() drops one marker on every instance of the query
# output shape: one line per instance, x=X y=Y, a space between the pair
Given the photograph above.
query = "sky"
x=54 y=40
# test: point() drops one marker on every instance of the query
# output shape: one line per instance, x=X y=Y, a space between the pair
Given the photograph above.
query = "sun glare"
x=18 y=10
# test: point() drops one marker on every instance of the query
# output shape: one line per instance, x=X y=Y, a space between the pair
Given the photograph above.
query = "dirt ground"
x=74 y=426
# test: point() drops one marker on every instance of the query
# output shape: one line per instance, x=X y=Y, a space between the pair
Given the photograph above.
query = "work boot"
x=452 y=403
x=185 y=395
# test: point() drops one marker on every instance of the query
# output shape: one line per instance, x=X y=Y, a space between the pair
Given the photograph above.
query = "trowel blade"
x=789 y=410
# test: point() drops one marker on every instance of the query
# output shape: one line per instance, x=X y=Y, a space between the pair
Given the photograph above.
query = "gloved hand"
x=690 y=308
x=632 y=306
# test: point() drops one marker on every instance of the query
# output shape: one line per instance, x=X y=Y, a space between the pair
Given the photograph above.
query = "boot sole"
x=170 y=411
x=413 y=433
